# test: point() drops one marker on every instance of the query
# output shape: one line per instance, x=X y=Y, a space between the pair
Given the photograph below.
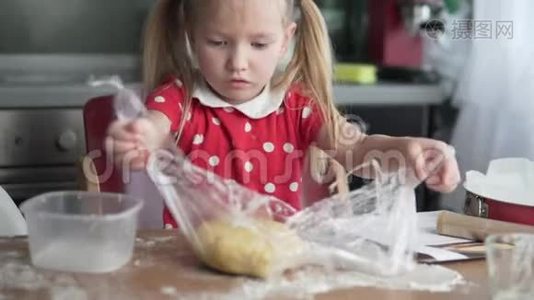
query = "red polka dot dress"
x=260 y=144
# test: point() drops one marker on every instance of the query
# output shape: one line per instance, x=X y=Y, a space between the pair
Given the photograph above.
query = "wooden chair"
x=98 y=172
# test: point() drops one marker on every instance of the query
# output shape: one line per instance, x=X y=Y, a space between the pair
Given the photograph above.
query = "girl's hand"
x=433 y=161
x=130 y=142
x=424 y=159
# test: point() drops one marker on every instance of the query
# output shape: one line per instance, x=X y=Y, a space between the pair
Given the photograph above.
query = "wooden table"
x=163 y=267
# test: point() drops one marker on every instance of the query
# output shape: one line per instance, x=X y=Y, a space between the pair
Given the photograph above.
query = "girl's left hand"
x=424 y=159
x=434 y=162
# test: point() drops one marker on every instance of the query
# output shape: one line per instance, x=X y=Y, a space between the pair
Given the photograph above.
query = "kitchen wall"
x=83 y=37
x=71 y=26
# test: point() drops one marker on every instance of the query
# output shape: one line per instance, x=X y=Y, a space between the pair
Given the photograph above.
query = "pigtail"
x=165 y=49
x=165 y=44
x=311 y=64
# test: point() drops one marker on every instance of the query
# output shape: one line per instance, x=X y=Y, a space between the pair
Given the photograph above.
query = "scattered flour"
x=17 y=275
x=145 y=243
x=153 y=241
x=169 y=290
x=431 y=278
x=67 y=293
x=308 y=282
x=162 y=239
x=513 y=295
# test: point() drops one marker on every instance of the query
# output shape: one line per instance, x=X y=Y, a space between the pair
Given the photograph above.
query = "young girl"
x=220 y=86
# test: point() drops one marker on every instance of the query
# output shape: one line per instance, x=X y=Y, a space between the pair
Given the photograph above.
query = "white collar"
x=267 y=102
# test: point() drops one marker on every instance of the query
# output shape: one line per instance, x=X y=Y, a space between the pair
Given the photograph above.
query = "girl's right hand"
x=131 y=142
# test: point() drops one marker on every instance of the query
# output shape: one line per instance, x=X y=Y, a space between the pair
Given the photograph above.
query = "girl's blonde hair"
x=166 y=53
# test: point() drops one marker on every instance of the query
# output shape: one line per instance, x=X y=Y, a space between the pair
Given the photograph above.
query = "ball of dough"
x=255 y=248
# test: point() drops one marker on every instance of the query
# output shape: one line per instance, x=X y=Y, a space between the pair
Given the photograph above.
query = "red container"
x=476 y=205
x=390 y=44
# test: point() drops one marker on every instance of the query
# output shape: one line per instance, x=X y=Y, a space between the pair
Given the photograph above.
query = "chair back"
x=98 y=166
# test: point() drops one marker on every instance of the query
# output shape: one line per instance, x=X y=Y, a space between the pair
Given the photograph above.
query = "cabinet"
x=395 y=120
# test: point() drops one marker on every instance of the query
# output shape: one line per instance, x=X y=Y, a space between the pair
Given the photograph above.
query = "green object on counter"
x=452 y=5
x=355 y=73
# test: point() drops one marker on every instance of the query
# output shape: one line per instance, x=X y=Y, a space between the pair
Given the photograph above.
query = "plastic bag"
x=237 y=230
x=231 y=228
x=126 y=103
x=372 y=229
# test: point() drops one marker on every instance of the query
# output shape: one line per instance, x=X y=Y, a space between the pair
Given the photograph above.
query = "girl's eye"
x=259 y=45
x=217 y=43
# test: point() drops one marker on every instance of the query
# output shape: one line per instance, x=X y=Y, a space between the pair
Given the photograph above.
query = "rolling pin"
x=475 y=228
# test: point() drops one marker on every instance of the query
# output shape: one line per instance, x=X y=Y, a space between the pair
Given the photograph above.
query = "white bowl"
x=81 y=231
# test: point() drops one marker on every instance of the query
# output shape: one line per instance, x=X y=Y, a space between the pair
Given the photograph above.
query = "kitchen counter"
x=164 y=267
x=50 y=96
x=389 y=94
x=75 y=96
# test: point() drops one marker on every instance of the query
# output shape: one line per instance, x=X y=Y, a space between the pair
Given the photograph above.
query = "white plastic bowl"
x=81 y=231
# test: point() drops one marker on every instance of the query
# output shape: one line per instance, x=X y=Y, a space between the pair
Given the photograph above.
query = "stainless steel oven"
x=39 y=150
x=48 y=50
x=41 y=117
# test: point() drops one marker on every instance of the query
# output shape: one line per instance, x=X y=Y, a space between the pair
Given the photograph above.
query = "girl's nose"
x=238 y=60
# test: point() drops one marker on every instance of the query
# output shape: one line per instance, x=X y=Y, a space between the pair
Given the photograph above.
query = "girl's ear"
x=289 y=33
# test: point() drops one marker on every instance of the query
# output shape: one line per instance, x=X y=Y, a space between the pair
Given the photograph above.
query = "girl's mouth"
x=239 y=83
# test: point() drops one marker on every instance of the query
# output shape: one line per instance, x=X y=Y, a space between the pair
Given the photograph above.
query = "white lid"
x=509 y=180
